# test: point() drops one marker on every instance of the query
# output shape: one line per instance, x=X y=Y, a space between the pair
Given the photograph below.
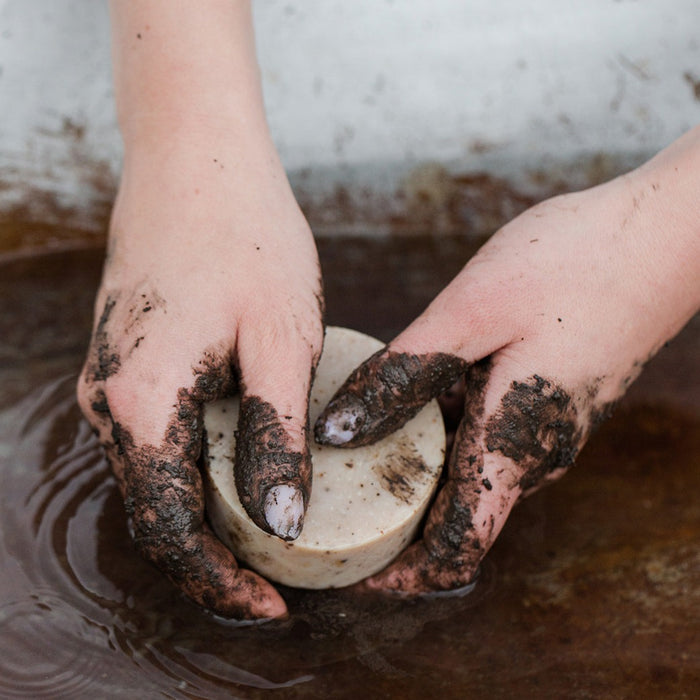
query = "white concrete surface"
x=369 y=87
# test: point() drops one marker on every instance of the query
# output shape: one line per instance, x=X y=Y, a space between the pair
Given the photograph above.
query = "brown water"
x=592 y=590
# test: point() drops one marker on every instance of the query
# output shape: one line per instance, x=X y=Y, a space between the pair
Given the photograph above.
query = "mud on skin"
x=539 y=427
x=164 y=503
x=104 y=357
x=383 y=394
x=451 y=550
x=265 y=460
x=106 y=360
x=162 y=485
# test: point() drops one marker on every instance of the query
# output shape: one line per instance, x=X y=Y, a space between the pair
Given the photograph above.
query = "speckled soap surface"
x=366 y=503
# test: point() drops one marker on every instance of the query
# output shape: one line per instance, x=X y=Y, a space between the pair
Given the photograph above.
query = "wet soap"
x=366 y=503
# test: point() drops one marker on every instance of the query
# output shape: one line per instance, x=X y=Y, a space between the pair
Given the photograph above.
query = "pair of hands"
x=212 y=285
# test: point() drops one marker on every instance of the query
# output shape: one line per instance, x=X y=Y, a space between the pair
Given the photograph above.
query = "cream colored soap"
x=366 y=503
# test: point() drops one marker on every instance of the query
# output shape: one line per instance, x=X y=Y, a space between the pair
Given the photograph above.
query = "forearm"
x=667 y=192
x=182 y=66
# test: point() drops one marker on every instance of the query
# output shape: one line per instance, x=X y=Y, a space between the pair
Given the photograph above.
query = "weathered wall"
x=366 y=96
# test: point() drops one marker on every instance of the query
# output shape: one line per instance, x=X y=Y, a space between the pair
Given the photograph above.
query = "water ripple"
x=82 y=615
x=43 y=630
x=97 y=616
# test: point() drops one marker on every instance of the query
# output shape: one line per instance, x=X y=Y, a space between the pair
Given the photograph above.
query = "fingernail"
x=341 y=421
x=284 y=511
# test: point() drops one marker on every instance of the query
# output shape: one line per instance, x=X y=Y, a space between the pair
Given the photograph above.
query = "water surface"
x=593 y=589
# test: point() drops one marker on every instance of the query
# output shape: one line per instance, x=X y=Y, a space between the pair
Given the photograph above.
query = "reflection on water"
x=592 y=590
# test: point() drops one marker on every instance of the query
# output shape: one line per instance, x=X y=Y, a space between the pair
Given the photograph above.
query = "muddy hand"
x=145 y=398
x=548 y=325
x=162 y=486
x=146 y=406
x=197 y=303
x=211 y=285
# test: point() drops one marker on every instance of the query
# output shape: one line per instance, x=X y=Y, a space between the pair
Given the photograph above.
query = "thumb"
x=383 y=394
x=391 y=387
x=273 y=462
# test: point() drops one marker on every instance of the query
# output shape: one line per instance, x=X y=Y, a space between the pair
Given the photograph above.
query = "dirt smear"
x=401 y=471
x=538 y=427
x=106 y=360
x=541 y=427
x=265 y=459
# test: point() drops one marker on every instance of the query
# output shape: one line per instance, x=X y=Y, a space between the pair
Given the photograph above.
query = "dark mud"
x=401 y=471
x=264 y=458
x=164 y=504
x=541 y=428
x=107 y=360
x=538 y=427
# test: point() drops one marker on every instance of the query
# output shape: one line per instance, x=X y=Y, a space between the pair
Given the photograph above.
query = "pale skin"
x=212 y=284
x=211 y=271
x=574 y=296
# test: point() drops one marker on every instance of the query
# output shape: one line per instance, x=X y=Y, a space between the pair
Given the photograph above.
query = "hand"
x=548 y=325
x=211 y=285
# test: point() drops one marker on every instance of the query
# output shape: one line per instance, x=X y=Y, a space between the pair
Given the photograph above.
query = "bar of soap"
x=366 y=503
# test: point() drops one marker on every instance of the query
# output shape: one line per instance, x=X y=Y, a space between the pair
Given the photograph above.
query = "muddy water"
x=593 y=589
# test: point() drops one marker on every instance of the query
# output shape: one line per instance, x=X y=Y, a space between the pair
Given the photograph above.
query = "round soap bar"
x=366 y=503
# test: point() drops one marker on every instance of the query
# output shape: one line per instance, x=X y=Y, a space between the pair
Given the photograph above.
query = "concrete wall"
x=362 y=95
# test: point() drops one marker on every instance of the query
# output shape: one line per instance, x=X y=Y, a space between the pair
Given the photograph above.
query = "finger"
x=383 y=394
x=515 y=436
x=273 y=461
x=165 y=504
x=391 y=387
x=154 y=446
x=448 y=555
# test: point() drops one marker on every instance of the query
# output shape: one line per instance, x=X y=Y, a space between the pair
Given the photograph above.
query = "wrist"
x=671 y=181
x=182 y=66
x=194 y=133
x=657 y=237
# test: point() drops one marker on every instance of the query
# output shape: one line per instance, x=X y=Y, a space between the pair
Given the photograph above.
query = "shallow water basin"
x=592 y=590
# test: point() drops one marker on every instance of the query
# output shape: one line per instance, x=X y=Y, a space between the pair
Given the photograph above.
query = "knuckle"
x=278 y=354
x=158 y=536
x=170 y=551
